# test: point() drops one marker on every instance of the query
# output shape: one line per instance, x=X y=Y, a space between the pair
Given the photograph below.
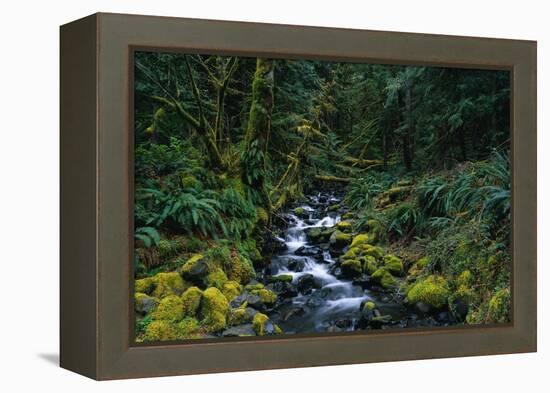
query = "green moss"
x=169 y=309
x=259 y=323
x=267 y=296
x=216 y=278
x=241 y=269
x=214 y=310
x=499 y=306
x=191 y=300
x=351 y=267
x=393 y=264
x=384 y=278
x=191 y=262
x=432 y=290
x=344 y=226
x=465 y=278
x=281 y=278
x=252 y=287
x=348 y=215
x=160 y=330
x=231 y=289
x=239 y=315
x=340 y=238
x=144 y=303
x=261 y=215
x=374 y=251
x=167 y=284
x=144 y=285
x=375 y=230
x=188 y=328
x=352 y=253
x=360 y=239
x=369 y=264
x=299 y=211
x=369 y=306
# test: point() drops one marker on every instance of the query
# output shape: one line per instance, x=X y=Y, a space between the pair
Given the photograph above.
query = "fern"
x=148 y=235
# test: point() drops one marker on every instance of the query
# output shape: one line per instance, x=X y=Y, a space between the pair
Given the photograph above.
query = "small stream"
x=319 y=299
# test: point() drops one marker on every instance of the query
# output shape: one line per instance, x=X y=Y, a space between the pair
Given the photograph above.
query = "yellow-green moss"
x=360 y=239
x=369 y=264
x=143 y=302
x=393 y=264
x=261 y=215
x=374 y=251
x=160 y=330
x=241 y=269
x=375 y=230
x=267 y=296
x=188 y=328
x=384 y=278
x=214 y=309
x=168 y=284
x=238 y=316
x=344 y=226
x=351 y=267
x=281 y=278
x=465 y=278
x=189 y=181
x=348 y=215
x=169 y=309
x=216 y=278
x=231 y=289
x=251 y=287
x=144 y=285
x=499 y=306
x=299 y=211
x=259 y=322
x=433 y=290
x=423 y=262
x=369 y=306
x=191 y=300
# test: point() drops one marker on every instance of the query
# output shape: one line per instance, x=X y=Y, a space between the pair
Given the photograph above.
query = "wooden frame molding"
x=97 y=193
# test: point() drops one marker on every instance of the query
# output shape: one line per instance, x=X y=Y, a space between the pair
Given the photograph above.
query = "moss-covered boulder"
x=144 y=303
x=376 y=230
x=191 y=300
x=433 y=291
x=345 y=226
x=231 y=289
x=393 y=264
x=169 y=309
x=374 y=251
x=368 y=264
x=241 y=269
x=163 y=330
x=384 y=278
x=369 y=306
x=214 y=310
x=266 y=296
x=263 y=326
x=499 y=306
x=241 y=315
x=216 y=278
x=167 y=284
x=301 y=212
x=339 y=239
x=351 y=267
x=280 y=278
x=360 y=239
x=195 y=269
x=144 y=285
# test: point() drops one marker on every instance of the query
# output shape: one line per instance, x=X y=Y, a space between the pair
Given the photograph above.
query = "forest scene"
x=278 y=196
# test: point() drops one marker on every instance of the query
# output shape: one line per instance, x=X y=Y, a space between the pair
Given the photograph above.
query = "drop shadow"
x=52 y=358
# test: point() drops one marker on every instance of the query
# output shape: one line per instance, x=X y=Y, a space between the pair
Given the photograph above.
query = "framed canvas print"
x=240 y=196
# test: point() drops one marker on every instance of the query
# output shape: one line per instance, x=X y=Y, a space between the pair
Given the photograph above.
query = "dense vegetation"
x=223 y=145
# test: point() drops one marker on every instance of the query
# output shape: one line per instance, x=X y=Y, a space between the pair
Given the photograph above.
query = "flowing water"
x=332 y=302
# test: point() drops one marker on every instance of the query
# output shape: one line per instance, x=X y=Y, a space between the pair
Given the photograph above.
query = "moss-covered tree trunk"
x=254 y=169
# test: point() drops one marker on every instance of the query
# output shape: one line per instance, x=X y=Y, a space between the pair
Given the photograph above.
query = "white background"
x=29 y=196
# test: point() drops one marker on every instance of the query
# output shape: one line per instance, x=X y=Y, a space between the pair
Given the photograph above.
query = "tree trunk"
x=259 y=128
x=407 y=136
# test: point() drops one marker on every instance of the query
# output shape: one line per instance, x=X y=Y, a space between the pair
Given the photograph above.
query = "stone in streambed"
x=144 y=303
x=306 y=251
x=339 y=239
x=239 y=331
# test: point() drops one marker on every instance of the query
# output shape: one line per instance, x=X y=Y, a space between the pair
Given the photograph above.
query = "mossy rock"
x=345 y=226
x=423 y=262
x=340 y=239
x=169 y=309
x=254 y=285
x=384 y=278
x=369 y=306
x=499 y=306
x=162 y=330
x=300 y=212
x=376 y=230
x=191 y=300
x=315 y=234
x=241 y=315
x=369 y=264
x=231 y=289
x=241 y=269
x=360 y=239
x=167 y=284
x=393 y=264
x=281 y=278
x=262 y=326
x=374 y=251
x=189 y=181
x=351 y=267
x=348 y=216
x=144 y=285
x=465 y=278
x=144 y=303
x=433 y=291
x=216 y=278
x=267 y=296
x=352 y=253
x=214 y=310
x=195 y=268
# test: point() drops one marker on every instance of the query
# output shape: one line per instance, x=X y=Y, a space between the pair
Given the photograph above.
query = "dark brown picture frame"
x=97 y=195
